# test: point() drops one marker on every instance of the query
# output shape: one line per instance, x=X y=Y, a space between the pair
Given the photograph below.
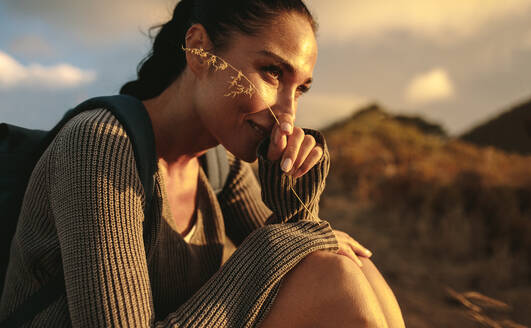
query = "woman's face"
x=279 y=61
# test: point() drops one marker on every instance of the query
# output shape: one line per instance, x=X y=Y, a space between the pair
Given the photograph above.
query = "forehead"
x=289 y=36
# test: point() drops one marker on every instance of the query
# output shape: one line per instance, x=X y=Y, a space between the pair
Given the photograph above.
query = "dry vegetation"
x=439 y=214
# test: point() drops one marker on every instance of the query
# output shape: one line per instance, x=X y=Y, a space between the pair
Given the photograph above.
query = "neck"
x=180 y=136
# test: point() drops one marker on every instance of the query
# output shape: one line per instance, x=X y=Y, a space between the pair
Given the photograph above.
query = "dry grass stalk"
x=475 y=311
x=463 y=300
x=236 y=88
x=484 y=320
x=512 y=324
x=487 y=301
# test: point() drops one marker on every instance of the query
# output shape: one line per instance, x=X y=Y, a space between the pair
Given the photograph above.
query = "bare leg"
x=383 y=292
x=325 y=290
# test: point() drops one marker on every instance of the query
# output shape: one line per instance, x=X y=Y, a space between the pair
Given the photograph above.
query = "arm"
x=241 y=202
x=241 y=199
x=97 y=201
x=276 y=186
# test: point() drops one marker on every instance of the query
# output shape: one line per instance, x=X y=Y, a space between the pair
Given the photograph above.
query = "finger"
x=286 y=123
x=313 y=158
x=350 y=255
x=357 y=260
x=279 y=135
x=308 y=143
x=292 y=149
x=359 y=249
x=277 y=144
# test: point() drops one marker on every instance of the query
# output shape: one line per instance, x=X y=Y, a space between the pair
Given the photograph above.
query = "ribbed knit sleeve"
x=97 y=204
x=241 y=202
x=96 y=198
x=242 y=199
x=277 y=187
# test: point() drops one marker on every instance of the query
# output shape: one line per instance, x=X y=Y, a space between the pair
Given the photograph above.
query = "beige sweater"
x=83 y=210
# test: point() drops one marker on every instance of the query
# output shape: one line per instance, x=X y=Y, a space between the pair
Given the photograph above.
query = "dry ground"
x=422 y=281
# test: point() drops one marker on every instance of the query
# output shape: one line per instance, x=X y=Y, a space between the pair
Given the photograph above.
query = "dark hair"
x=167 y=60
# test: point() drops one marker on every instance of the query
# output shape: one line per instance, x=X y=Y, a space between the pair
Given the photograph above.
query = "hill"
x=379 y=113
x=437 y=212
x=510 y=131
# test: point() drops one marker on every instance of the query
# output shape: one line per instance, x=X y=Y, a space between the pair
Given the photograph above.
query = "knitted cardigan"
x=83 y=211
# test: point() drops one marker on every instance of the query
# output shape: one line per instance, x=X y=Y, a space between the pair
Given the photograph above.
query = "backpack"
x=21 y=148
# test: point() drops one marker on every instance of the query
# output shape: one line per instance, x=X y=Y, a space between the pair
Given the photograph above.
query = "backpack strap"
x=133 y=116
x=217 y=167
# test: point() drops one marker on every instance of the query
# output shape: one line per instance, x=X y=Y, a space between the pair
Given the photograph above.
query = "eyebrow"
x=283 y=62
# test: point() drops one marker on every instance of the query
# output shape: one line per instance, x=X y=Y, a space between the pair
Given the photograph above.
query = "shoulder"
x=93 y=149
x=92 y=123
x=89 y=132
x=93 y=137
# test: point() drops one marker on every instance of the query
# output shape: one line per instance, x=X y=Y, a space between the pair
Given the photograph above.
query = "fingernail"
x=286 y=127
x=368 y=253
x=286 y=165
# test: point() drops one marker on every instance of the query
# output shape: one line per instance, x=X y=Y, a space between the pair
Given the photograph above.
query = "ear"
x=197 y=38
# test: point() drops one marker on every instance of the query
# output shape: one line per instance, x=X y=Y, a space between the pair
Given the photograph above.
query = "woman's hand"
x=350 y=248
x=299 y=152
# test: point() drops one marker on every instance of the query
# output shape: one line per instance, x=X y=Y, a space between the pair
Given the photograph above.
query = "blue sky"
x=454 y=62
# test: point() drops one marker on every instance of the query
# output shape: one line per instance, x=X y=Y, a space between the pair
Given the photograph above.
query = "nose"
x=286 y=105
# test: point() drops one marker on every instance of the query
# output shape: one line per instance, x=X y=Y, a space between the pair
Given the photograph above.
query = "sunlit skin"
x=193 y=114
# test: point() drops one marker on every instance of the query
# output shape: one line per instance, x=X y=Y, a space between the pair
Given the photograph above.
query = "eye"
x=301 y=90
x=273 y=71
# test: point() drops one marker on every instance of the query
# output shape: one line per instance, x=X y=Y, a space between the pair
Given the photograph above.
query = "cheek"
x=248 y=105
x=227 y=115
x=265 y=95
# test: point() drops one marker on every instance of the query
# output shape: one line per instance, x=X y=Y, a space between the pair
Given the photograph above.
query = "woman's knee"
x=348 y=292
x=326 y=290
x=385 y=295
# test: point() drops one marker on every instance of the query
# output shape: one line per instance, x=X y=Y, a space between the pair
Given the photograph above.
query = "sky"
x=453 y=62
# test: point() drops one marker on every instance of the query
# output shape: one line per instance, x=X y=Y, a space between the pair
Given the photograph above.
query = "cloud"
x=61 y=76
x=431 y=86
x=440 y=21
x=96 y=20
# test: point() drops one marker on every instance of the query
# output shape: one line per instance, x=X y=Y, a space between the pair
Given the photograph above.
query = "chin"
x=245 y=152
x=243 y=142
x=246 y=155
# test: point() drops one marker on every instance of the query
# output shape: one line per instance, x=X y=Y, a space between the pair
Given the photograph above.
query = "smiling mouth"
x=260 y=130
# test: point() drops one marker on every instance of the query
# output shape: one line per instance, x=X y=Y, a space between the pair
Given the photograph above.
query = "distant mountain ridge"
x=376 y=111
x=509 y=131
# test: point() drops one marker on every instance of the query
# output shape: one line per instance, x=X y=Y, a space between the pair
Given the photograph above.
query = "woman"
x=176 y=265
